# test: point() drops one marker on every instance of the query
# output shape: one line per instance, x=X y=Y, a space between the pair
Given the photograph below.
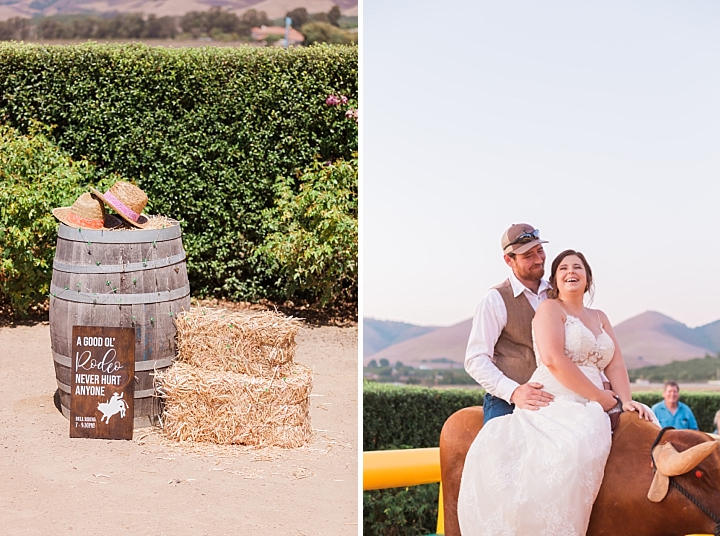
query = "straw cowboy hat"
x=127 y=200
x=87 y=212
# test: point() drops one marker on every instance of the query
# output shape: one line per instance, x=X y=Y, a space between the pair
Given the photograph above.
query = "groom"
x=500 y=354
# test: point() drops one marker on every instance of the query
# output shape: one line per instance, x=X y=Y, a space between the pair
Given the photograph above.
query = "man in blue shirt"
x=671 y=412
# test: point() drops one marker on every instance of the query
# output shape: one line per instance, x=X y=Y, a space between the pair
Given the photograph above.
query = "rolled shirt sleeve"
x=489 y=321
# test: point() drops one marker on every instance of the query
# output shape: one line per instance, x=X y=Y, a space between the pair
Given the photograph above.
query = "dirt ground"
x=54 y=484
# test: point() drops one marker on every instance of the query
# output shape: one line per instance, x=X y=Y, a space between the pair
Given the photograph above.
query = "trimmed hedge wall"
x=409 y=511
x=206 y=132
x=412 y=417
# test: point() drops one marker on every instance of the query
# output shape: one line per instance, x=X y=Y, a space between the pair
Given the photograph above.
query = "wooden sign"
x=103 y=382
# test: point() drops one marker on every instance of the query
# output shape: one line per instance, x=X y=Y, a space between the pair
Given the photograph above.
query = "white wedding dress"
x=537 y=473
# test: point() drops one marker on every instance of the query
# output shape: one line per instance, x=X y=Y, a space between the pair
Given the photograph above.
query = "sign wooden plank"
x=103 y=387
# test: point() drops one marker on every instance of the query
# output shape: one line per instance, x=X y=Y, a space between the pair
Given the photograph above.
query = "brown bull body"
x=622 y=506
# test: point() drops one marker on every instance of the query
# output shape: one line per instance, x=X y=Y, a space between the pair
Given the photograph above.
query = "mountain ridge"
x=650 y=338
x=380 y=334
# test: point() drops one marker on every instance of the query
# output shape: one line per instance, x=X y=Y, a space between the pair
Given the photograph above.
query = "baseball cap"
x=520 y=238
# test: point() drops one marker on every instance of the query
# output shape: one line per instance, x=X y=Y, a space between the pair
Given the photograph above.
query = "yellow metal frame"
x=384 y=469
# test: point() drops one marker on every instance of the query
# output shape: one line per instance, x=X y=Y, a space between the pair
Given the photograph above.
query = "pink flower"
x=343 y=99
x=352 y=113
x=332 y=100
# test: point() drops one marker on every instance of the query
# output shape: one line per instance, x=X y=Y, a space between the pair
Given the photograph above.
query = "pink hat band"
x=121 y=207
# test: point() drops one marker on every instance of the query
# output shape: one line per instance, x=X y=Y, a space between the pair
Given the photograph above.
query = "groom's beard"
x=534 y=273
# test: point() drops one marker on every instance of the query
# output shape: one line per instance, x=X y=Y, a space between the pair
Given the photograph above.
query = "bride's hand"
x=642 y=411
x=606 y=398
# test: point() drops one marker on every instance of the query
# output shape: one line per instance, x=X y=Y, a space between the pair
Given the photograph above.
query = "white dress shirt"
x=489 y=321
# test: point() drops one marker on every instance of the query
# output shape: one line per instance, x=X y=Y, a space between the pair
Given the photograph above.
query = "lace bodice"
x=583 y=348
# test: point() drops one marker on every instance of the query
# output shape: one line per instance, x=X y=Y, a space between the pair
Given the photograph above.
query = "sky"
x=596 y=122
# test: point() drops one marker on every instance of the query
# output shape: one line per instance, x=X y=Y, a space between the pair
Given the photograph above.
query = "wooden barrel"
x=123 y=278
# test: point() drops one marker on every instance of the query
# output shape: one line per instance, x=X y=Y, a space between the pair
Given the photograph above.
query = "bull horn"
x=670 y=462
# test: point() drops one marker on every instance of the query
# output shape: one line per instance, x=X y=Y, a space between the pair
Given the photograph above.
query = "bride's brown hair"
x=553 y=292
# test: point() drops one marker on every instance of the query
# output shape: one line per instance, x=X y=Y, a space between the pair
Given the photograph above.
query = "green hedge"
x=412 y=417
x=206 y=132
x=409 y=511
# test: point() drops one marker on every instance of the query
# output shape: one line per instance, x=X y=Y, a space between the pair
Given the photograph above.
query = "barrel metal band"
x=119 y=299
x=119 y=237
x=62 y=360
x=144 y=393
x=139 y=365
x=117 y=268
x=138 y=394
x=153 y=364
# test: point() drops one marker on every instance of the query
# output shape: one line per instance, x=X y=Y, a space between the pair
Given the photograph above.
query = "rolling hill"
x=433 y=349
x=161 y=8
x=649 y=338
x=655 y=339
x=379 y=334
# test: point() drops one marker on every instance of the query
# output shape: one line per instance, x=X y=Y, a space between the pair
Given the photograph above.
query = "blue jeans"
x=495 y=407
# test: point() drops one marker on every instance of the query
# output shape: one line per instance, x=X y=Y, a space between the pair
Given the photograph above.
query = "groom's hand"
x=530 y=396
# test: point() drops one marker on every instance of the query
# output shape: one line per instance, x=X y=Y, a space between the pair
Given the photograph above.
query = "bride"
x=537 y=472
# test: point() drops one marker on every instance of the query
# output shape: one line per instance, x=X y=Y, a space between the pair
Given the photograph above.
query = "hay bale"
x=246 y=342
x=236 y=409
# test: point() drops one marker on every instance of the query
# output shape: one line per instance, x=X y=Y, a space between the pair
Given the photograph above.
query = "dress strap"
x=600 y=321
x=563 y=310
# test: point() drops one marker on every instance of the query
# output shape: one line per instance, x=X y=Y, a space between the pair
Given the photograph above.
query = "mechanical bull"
x=657 y=482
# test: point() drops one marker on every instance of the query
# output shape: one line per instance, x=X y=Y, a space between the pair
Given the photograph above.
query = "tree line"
x=216 y=24
x=382 y=372
x=693 y=370
x=698 y=370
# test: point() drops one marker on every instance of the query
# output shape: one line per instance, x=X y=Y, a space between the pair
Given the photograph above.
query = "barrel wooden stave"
x=160 y=270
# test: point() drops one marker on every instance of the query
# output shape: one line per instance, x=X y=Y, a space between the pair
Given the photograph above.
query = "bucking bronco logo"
x=115 y=405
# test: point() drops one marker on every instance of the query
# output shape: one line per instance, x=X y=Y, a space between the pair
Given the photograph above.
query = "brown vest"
x=514 y=354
